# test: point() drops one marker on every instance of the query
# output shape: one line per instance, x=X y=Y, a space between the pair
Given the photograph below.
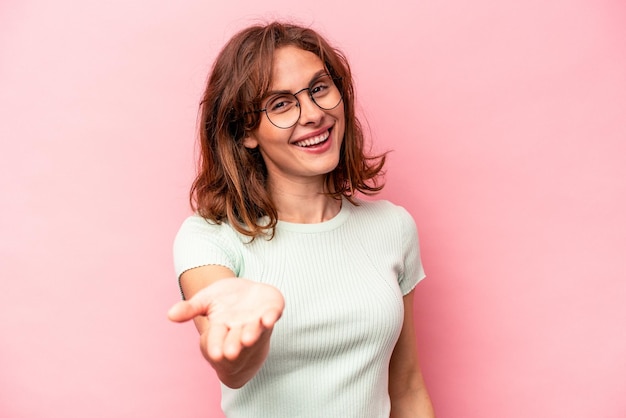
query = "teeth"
x=314 y=140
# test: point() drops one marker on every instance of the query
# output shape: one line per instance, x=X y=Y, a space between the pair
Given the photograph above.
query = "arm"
x=234 y=317
x=407 y=390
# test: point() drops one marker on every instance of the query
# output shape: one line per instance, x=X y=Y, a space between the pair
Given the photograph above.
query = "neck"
x=304 y=203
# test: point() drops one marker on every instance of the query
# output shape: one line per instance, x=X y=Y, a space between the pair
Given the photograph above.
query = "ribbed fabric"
x=343 y=282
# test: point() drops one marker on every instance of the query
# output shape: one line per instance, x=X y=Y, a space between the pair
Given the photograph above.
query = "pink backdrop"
x=508 y=121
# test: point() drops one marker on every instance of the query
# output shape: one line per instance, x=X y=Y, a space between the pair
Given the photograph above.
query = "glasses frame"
x=295 y=95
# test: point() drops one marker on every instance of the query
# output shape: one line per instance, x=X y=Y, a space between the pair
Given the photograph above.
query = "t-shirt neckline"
x=328 y=225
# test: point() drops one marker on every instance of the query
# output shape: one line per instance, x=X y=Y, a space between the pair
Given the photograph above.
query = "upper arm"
x=407 y=390
x=404 y=370
x=204 y=252
x=404 y=357
x=196 y=279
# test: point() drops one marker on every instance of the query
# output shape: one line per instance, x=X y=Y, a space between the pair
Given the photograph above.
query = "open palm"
x=240 y=313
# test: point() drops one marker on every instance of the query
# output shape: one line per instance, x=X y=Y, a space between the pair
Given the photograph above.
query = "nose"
x=310 y=113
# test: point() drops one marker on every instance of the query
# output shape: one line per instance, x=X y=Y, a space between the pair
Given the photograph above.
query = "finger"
x=188 y=309
x=270 y=318
x=251 y=333
x=215 y=337
x=178 y=312
x=232 y=343
x=182 y=311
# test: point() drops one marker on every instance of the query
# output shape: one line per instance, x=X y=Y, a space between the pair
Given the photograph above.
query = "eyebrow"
x=315 y=76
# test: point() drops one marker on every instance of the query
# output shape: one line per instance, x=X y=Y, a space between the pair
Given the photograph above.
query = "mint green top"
x=343 y=282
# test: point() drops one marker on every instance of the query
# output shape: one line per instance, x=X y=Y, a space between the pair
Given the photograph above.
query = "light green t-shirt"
x=343 y=282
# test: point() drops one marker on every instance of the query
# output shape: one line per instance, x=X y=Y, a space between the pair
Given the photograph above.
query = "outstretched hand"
x=240 y=313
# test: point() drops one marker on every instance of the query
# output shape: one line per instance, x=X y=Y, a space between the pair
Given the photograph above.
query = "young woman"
x=302 y=293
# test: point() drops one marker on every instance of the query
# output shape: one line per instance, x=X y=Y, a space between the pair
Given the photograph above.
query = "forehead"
x=293 y=68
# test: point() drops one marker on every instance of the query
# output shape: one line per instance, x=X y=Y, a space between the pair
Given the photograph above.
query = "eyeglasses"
x=283 y=110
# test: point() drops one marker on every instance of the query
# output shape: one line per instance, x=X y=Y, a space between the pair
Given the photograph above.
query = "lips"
x=313 y=140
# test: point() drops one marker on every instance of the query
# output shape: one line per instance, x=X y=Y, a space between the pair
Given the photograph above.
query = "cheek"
x=340 y=116
x=341 y=127
x=268 y=135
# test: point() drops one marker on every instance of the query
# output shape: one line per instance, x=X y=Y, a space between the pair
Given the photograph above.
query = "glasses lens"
x=283 y=110
x=325 y=93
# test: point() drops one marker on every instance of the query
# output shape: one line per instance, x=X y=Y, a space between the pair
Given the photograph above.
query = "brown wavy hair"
x=231 y=180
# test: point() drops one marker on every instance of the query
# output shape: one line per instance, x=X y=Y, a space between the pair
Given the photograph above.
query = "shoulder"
x=385 y=219
x=196 y=221
x=200 y=241
x=198 y=231
x=197 y=225
x=382 y=211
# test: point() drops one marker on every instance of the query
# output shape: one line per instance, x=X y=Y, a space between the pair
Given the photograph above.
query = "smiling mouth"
x=316 y=140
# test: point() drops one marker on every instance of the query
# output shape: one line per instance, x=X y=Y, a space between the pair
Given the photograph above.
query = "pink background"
x=508 y=121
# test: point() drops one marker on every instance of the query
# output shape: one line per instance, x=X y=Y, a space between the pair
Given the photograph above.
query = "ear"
x=249 y=141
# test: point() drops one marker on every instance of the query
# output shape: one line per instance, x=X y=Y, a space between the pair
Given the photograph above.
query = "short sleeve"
x=200 y=242
x=413 y=271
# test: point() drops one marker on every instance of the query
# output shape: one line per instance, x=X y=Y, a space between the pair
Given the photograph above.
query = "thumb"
x=187 y=309
x=180 y=312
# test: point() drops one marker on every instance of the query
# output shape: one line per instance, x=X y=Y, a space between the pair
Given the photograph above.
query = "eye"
x=321 y=86
x=280 y=103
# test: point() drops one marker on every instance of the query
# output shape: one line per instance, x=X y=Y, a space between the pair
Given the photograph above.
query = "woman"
x=302 y=293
